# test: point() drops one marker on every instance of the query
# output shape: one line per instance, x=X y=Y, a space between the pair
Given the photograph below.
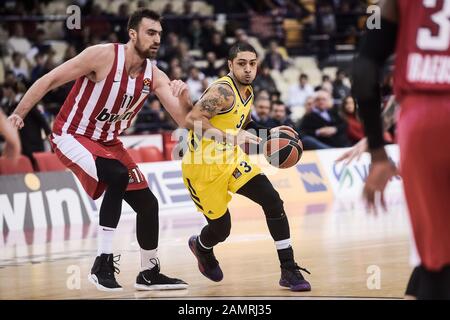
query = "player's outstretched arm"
x=218 y=98
x=87 y=62
x=173 y=95
x=377 y=46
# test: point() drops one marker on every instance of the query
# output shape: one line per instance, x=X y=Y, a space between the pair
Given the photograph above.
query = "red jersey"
x=102 y=110
x=423 y=47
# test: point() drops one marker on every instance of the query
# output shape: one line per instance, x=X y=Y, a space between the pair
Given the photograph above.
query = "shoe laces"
x=156 y=271
x=156 y=264
x=296 y=269
x=112 y=265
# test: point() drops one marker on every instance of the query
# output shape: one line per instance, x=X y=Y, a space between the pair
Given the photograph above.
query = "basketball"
x=283 y=149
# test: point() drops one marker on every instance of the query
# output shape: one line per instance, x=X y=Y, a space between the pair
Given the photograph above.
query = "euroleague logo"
x=146 y=88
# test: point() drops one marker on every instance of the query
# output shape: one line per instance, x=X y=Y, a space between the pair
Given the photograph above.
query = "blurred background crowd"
x=305 y=49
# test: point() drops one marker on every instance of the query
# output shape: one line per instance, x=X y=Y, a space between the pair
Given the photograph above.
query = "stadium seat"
x=135 y=154
x=23 y=165
x=48 y=161
x=151 y=154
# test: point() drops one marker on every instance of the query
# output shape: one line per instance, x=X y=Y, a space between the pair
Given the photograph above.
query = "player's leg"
x=260 y=190
x=145 y=204
x=114 y=175
x=425 y=170
x=216 y=231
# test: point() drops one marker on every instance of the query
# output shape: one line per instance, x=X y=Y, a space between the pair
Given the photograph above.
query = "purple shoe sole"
x=302 y=286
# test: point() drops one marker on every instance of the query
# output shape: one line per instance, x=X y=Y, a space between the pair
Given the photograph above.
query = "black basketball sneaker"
x=207 y=262
x=292 y=278
x=102 y=273
x=153 y=279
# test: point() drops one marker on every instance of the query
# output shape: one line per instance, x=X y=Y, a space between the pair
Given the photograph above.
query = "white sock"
x=105 y=237
x=283 y=244
x=148 y=259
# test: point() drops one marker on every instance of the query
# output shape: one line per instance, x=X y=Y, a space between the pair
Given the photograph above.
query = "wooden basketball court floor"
x=350 y=254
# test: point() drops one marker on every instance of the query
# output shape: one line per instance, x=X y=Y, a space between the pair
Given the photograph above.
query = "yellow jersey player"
x=215 y=165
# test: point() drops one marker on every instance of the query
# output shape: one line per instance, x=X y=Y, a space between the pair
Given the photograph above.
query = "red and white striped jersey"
x=103 y=110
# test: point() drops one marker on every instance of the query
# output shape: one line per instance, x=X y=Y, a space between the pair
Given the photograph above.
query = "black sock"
x=286 y=257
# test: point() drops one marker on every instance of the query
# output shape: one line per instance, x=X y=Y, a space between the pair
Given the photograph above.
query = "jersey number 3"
x=440 y=41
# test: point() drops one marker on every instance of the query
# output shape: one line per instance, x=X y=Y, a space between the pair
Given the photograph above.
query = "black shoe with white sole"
x=153 y=279
x=102 y=273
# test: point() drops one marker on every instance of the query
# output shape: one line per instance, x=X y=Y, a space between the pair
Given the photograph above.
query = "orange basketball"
x=283 y=149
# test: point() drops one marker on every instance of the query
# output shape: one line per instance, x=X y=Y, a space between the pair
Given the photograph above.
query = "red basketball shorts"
x=78 y=153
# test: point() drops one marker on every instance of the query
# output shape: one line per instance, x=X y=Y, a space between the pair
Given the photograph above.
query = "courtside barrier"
x=56 y=198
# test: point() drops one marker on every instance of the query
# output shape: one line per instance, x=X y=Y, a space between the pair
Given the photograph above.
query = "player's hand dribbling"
x=380 y=173
x=284 y=128
x=246 y=137
x=16 y=121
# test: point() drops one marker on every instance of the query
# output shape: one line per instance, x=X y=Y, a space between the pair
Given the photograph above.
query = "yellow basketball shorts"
x=210 y=184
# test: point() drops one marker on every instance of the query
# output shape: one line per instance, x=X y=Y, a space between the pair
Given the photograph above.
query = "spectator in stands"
x=195 y=34
x=218 y=46
x=39 y=45
x=17 y=42
x=264 y=80
x=276 y=96
x=355 y=130
x=152 y=119
x=325 y=84
x=279 y=116
x=196 y=83
x=20 y=71
x=242 y=36
x=169 y=47
x=168 y=9
x=208 y=29
x=98 y=23
x=323 y=127
x=309 y=104
x=9 y=96
x=273 y=59
x=340 y=89
x=212 y=69
x=11 y=147
x=297 y=95
x=261 y=111
x=39 y=68
x=119 y=26
x=186 y=60
x=176 y=73
x=31 y=134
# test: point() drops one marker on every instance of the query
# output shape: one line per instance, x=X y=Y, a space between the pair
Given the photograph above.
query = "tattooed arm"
x=218 y=98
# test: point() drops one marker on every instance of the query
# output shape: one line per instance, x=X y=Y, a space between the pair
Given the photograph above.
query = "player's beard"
x=143 y=53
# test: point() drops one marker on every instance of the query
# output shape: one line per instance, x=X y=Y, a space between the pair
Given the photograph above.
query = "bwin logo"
x=32 y=201
x=105 y=116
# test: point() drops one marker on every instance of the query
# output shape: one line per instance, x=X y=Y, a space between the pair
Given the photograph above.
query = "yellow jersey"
x=229 y=121
x=212 y=170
